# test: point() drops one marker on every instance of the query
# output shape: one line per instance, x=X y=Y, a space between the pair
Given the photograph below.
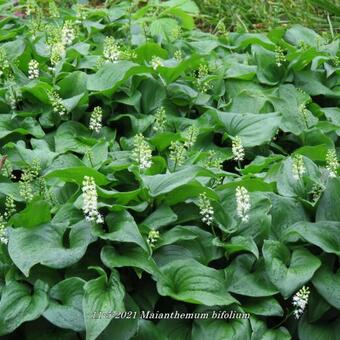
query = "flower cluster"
x=201 y=81
x=28 y=176
x=57 y=53
x=212 y=161
x=68 y=33
x=156 y=62
x=9 y=211
x=332 y=163
x=111 y=50
x=280 y=57
x=80 y=13
x=9 y=207
x=153 y=237
x=206 y=209
x=178 y=153
x=220 y=28
x=300 y=300
x=160 y=120
x=44 y=192
x=304 y=115
x=176 y=33
x=4 y=63
x=142 y=152
x=7 y=168
x=3 y=231
x=33 y=69
x=191 y=136
x=237 y=149
x=298 y=167
x=242 y=203
x=96 y=119
x=53 y=9
x=11 y=98
x=31 y=7
x=178 y=55
x=57 y=103
x=316 y=192
x=90 y=200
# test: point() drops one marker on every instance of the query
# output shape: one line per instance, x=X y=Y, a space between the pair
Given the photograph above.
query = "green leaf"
x=22 y=126
x=101 y=295
x=221 y=329
x=76 y=174
x=20 y=303
x=164 y=183
x=254 y=129
x=164 y=28
x=328 y=208
x=44 y=244
x=318 y=330
x=175 y=234
x=73 y=136
x=189 y=281
x=39 y=90
x=160 y=217
x=65 y=305
x=246 y=276
x=130 y=257
x=324 y=234
x=285 y=212
x=29 y=217
x=266 y=306
x=288 y=272
x=122 y=228
x=110 y=76
x=267 y=71
x=238 y=244
x=288 y=185
x=327 y=282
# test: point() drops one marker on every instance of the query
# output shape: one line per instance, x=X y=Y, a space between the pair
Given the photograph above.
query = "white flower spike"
x=242 y=203
x=90 y=200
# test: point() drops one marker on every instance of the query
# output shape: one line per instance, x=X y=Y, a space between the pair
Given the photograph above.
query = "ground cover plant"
x=150 y=167
x=257 y=15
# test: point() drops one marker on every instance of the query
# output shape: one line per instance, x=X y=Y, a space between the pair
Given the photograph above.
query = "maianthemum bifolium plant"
x=149 y=166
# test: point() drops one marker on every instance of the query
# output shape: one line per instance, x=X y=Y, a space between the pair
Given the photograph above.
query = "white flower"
x=153 y=237
x=57 y=103
x=57 y=53
x=4 y=62
x=300 y=300
x=33 y=69
x=191 y=136
x=111 y=50
x=331 y=163
x=279 y=56
x=12 y=100
x=178 y=153
x=3 y=231
x=156 y=62
x=201 y=81
x=160 y=120
x=68 y=34
x=90 y=200
x=96 y=119
x=206 y=209
x=178 y=55
x=142 y=152
x=237 y=149
x=9 y=207
x=29 y=174
x=298 y=167
x=242 y=203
